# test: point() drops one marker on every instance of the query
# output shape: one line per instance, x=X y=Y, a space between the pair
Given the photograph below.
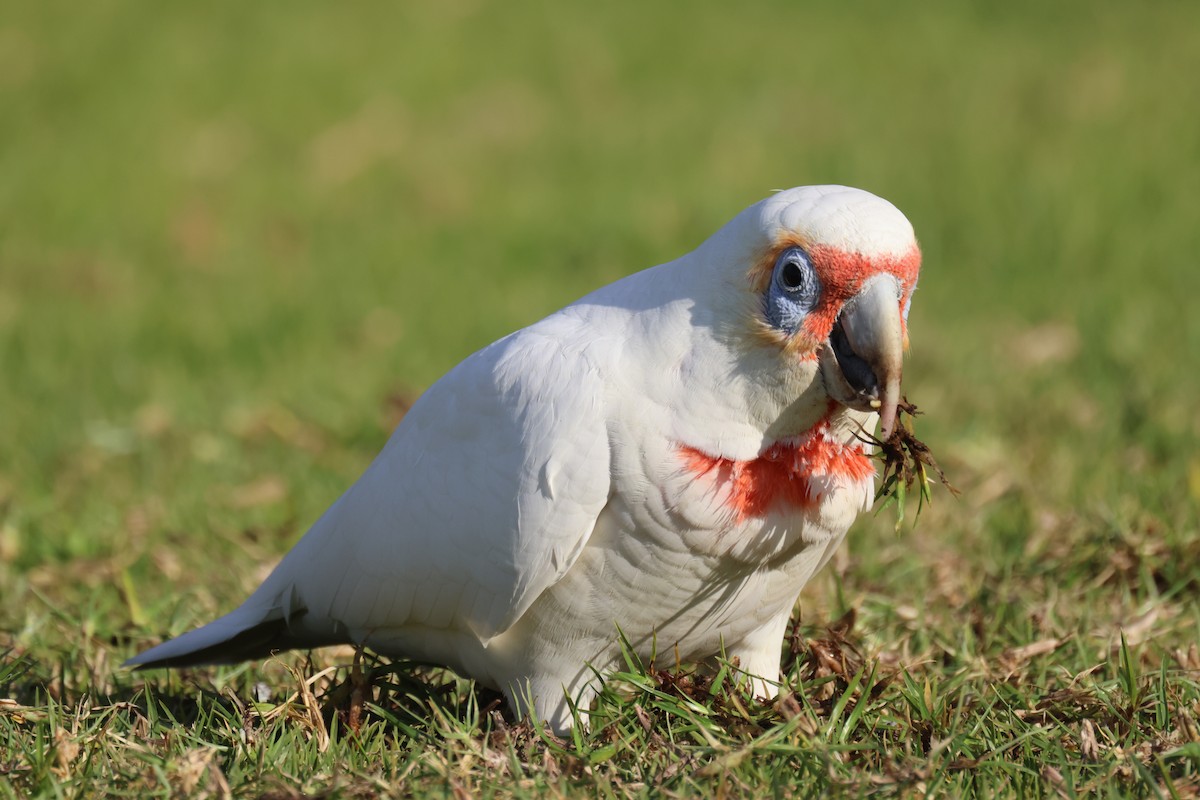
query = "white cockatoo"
x=668 y=460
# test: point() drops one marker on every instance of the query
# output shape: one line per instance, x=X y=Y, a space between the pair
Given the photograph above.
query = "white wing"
x=483 y=497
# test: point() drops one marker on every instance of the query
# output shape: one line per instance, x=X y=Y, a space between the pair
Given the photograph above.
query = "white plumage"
x=673 y=455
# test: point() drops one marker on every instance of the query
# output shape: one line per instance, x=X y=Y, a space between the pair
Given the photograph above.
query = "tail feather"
x=234 y=637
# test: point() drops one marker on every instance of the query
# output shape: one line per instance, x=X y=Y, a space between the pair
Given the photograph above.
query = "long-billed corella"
x=668 y=460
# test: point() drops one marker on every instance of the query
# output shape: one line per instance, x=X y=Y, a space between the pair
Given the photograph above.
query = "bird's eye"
x=793 y=270
x=792 y=276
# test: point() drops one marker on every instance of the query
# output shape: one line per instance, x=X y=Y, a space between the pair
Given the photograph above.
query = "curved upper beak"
x=868 y=342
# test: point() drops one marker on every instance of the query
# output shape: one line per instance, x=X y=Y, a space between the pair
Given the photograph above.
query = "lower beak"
x=868 y=342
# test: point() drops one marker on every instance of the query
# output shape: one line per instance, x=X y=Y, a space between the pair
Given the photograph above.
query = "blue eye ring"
x=794 y=291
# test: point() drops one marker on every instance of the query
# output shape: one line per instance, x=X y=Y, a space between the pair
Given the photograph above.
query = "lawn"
x=236 y=238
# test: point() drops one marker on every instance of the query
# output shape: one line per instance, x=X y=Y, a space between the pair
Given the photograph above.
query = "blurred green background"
x=234 y=237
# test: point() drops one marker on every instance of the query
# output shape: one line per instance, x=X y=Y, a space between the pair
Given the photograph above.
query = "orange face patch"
x=781 y=476
x=842 y=275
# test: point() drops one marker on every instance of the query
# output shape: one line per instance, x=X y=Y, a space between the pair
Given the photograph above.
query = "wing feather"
x=483 y=497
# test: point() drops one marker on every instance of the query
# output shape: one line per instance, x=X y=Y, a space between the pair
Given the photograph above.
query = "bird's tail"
x=273 y=618
x=241 y=635
x=232 y=638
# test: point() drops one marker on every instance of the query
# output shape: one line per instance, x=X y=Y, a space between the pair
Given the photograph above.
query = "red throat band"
x=781 y=476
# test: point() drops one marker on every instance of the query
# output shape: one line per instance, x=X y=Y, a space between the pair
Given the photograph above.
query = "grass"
x=234 y=237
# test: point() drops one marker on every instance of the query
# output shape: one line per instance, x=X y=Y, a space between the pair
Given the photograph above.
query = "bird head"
x=830 y=286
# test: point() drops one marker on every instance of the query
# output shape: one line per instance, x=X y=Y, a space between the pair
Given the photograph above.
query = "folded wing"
x=483 y=497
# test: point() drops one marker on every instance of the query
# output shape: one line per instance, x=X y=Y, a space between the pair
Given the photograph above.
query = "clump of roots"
x=908 y=465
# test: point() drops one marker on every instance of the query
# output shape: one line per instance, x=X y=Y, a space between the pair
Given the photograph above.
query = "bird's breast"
x=796 y=492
